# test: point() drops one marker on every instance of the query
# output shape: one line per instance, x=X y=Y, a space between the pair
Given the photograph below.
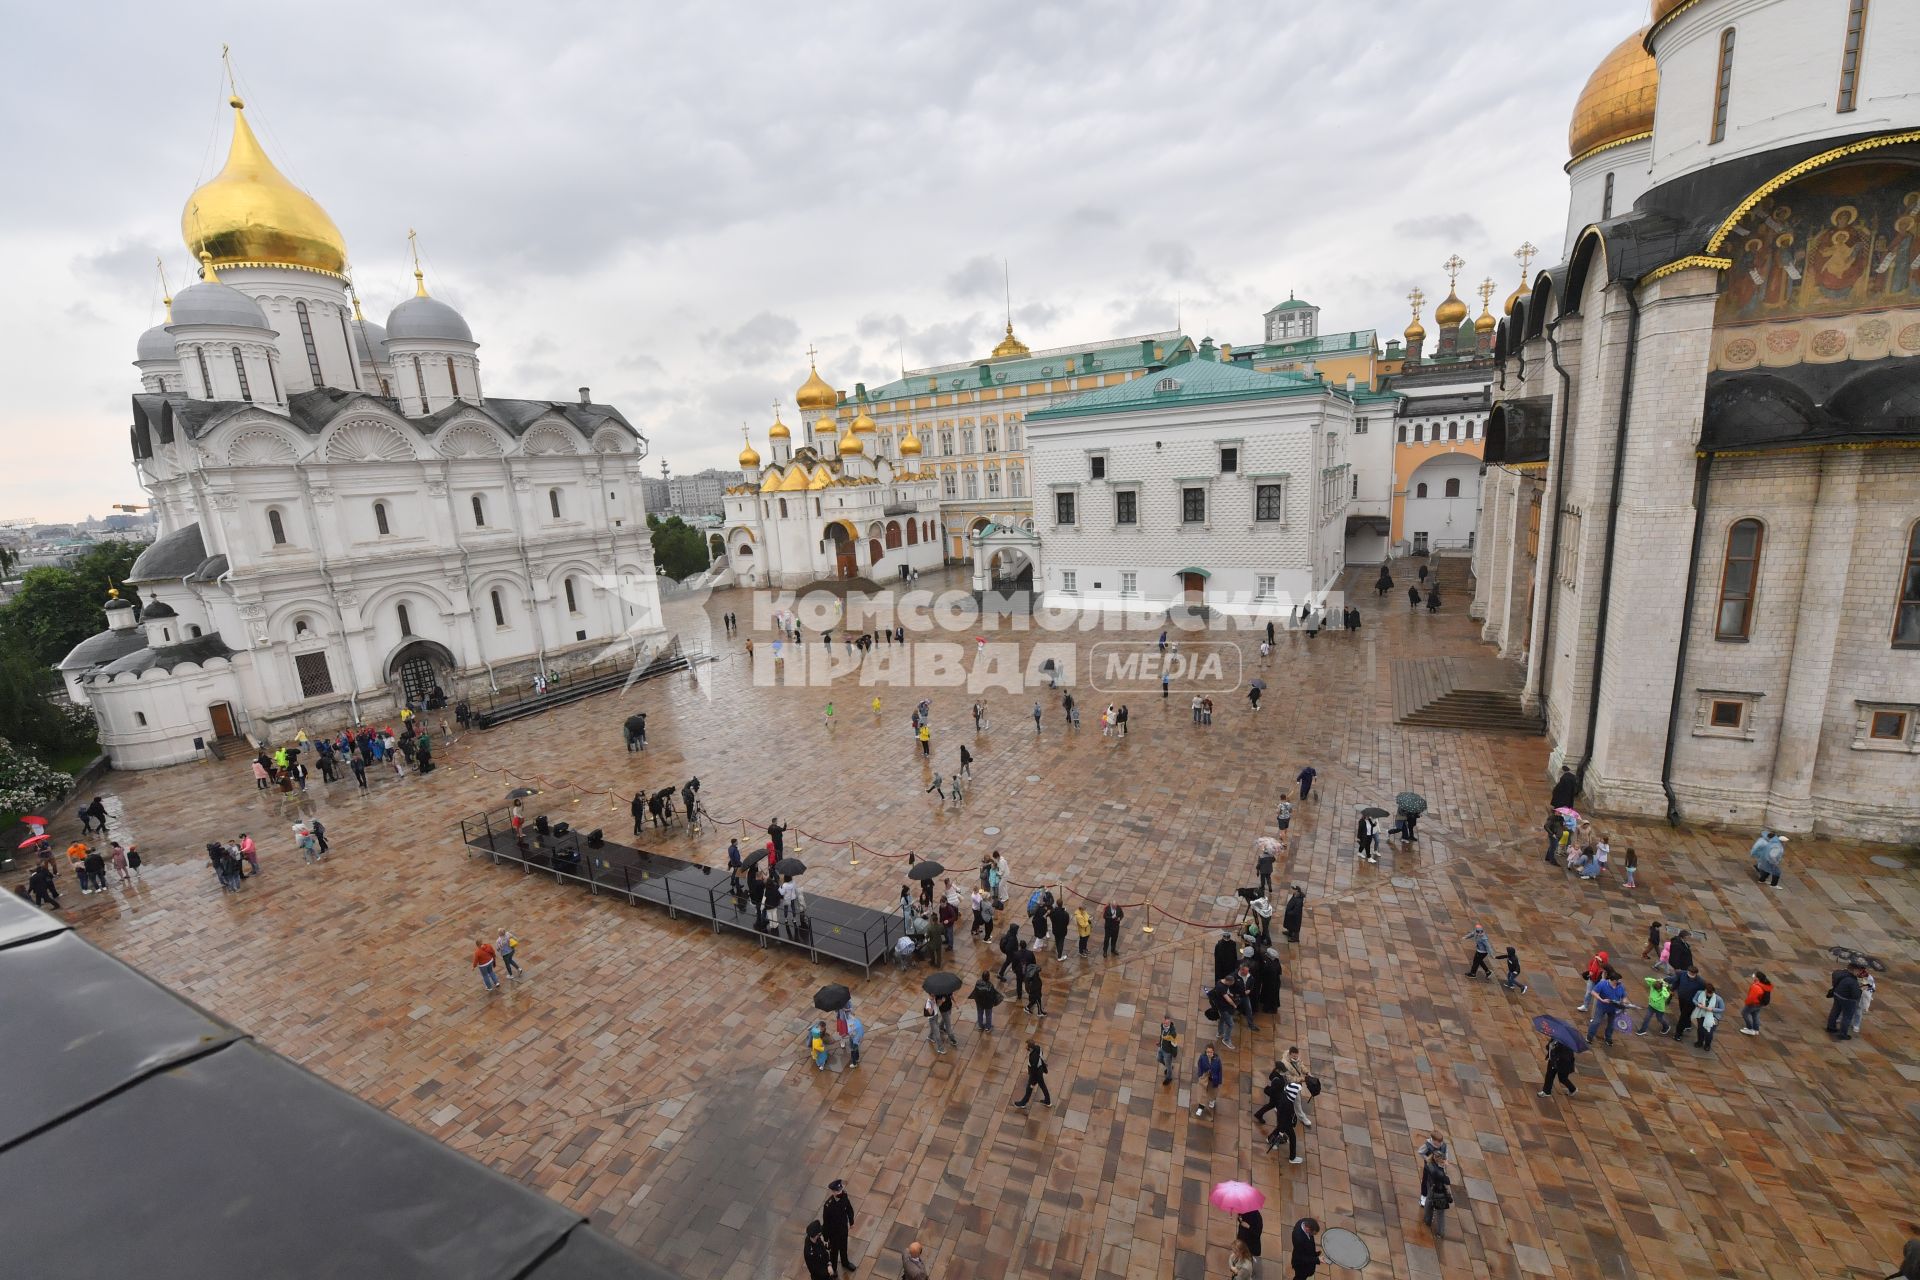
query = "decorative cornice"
x=1832 y=446
x=1687 y=263
x=1800 y=170
x=1606 y=146
x=283 y=266
x=1661 y=25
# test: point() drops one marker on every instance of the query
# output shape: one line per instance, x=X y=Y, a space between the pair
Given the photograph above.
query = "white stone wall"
x=1631 y=166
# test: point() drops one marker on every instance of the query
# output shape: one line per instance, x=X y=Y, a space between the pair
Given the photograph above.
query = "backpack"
x=1313 y=1086
x=1766 y=997
x=1031 y=972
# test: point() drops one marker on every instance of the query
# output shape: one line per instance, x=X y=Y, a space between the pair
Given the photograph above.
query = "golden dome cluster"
x=814 y=393
x=248 y=214
x=1616 y=105
x=1451 y=311
x=910 y=444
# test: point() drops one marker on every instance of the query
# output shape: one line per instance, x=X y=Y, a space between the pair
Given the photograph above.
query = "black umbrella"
x=521 y=793
x=1411 y=802
x=832 y=998
x=790 y=866
x=757 y=856
x=942 y=984
x=1373 y=811
x=928 y=870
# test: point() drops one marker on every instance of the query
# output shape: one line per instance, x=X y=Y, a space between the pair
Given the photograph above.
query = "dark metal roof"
x=107 y=646
x=220 y=1158
x=171 y=557
x=200 y=649
x=158 y=609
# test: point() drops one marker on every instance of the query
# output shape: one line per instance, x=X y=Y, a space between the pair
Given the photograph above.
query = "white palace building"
x=345 y=517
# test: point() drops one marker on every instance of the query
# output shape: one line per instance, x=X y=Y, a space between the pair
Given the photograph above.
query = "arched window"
x=783 y=508
x=1403 y=433
x=453 y=379
x=816 y=506
x=499 y=611
x=380 y=518
x=1722 y=87
x=553 y=502
x=406 y=623
x=206 y=379
x=1850 y=55
x=1906 y=615
x=1738 y=577
x=893 y=533
x=573 y=604
x=1420 y=490
x=1453 y=431
x=299 y=627
x=913 y=533
x=240 y=371
x=306 y=336
x=479 y=512
x=276 y=527
x=193 y=632
x=1453 y=487
x=1606 y=200
x=420 y=381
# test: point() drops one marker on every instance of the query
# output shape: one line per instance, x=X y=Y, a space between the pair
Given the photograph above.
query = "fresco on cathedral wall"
x=1827 y=270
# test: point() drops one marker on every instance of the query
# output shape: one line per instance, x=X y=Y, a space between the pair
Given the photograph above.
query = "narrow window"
x=1229 y=461
x=1737 y=580
x=273 y=379
x=499 y=610
x=420 y=381
x=276 y=528
x=1097 y=467
x=553 y=502
x=1403 y=433
x=380 y=518
x=1266 y=502
x=1850 y=54
x=1906 y=613
x=240 y=371
x=1063 y=508
x=1069 y=581
x=479 y=513
x=1420 y=490
x=140 y=718
x=1722 y=87
x=453 y=378
x=406 y=623
x=315 y=679
x=573 y=605
x=306 y=336
x=1193 y=506
x=386 y=388
x=1606 y=200
x=1453 y=488
x=1129 y=582
x=1453 y=431
x=1126 y=507
x=353 y=361
x=206 y=379
x=193 y=632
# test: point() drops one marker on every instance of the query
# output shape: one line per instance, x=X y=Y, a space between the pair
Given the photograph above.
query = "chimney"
x=1207 y=351
x=1349 y=384
x=1146 y=351
x=586 y=395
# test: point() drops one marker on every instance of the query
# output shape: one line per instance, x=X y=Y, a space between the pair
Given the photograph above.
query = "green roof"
x=1305 y=348
x=1119 y=357
x=1193 y=382
x=1293 y=304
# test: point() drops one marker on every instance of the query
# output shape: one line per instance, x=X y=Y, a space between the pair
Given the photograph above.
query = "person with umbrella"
x=1411 y=805
x=1766 y=853
x=1562 y=1043
x=939 y=1009
x=1243 y=1202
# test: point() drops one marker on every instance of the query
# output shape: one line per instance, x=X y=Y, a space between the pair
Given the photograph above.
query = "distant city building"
x=1294 y=344
x=701 y=494
x=656 y=495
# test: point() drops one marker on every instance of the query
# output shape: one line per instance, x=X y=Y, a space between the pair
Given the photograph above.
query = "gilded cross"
x=811 y=353
x=1526 y=253
x=1418 y=299
x=1452 y=267
x=1486 y=292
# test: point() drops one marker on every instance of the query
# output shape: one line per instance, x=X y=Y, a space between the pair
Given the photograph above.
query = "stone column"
x=1816 y=638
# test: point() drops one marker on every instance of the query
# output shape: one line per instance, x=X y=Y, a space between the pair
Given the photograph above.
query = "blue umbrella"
x=1548 y=1025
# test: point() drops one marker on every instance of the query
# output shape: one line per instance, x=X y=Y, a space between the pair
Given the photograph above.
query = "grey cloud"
x=1171 y=258
x=1093 y=216
x=1441 y=226
x=765 y=337
x=979 y=277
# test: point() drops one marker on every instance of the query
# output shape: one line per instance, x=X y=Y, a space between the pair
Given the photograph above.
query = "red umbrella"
x=30 y=841
x=34 y=820
x=1236 y=1197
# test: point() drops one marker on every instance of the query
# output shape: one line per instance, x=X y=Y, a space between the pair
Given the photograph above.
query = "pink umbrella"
x=1565 y=812
x=34 y=820
x=1236 y=1197
x=30 y=841
x=1266 y=844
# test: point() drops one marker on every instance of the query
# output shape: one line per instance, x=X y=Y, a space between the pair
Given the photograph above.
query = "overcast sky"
x=669 y=203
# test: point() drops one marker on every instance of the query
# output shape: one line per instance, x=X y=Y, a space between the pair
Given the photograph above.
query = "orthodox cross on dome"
x=1486 y=292
x=1418 y=299
x=1526 y=254
x=776 y=410
x=226 y=60
x=419 y=279
x=811 y=356
x=1452 y=267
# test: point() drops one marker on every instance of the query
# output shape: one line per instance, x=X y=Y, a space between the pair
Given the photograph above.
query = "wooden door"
x=222 y=717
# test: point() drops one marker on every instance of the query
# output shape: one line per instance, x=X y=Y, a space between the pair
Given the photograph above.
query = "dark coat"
x=1566 y=791
x=1249 y=1231
x=1226 y=958
x=1845 y=985
x=1680 y=954
x=1111 y=917
x=1559 y=1058
x=1306 y=1252
x=1296 y=910
x=836 y=1216
x=1060 y=920
x=818 y=1258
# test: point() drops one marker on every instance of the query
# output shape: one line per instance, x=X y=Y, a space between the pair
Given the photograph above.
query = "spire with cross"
x=1486 y=293
x=1452 y=267
x=1526 y=254
x=1418 y=299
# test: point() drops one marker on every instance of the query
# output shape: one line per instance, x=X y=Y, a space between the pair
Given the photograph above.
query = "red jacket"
x=483 y=954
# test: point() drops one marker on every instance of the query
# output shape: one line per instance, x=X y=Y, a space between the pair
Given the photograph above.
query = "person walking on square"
x=1083 y=927
x=1305 y=1257
x=1263 y=870
x=1366 y=838
x=966 y=763
x=1036 y=718
x=1294 y=913
x=1844 y=991
x=1652 y=948
x=985 y=997
x=1686 y=985
x=734 y=862
x=939 y=785
x=1559 y=1067
x=1208 y=1070
x=1513 y=971
x=505 y=946
x=913 y=1263
x=1010 y=953
x=854 y=1032
x=1436 y=1194
x=1708 y=1005
x=979 y=715
x=1110 y=918
x=1867 y=988
x=926 y=741
x=1609 y=996
x=1059 y=920
x=1482 y=948
x=1596 y=969
x=639 y=811
x=1220 y=1003
x=1909 y=1256
x=1248 y=1226
x=1759 y=996
x=483 y=960
x=1031 y=968
x=119 y=860
x=1658 y=994
x=836 y=1219
x=1632 y=869
x=1036 y=1077
x=816 y=1254
x=1168 y=1048
x=1302 y=1086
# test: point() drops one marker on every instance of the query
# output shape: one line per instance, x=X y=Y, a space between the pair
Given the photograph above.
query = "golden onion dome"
x=850 y=446
x=825 y=425
x=749 y=457
x=814 y=393
x=1484 y=322
x=248 y=214
x=910 y=445
x=863 y=423
x=779 y=430
x=1450 y=312
x=796 y=480
x=1010 y=345
x=1617 y=104
x=1519 y=292
x=1415 y=332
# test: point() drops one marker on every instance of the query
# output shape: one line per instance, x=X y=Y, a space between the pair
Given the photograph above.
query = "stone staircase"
x=1481 y=695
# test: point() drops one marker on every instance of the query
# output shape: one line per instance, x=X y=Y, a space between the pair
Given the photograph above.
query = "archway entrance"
x=1010 y=569
x=419 y=668
x=846 y=559
x=716 y=546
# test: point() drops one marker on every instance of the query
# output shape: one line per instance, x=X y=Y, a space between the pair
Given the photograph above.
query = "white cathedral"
x=1700 y=531
x=345 y=518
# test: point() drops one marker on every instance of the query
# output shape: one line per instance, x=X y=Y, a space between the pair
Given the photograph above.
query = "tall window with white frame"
x=1126 y=507
x=1129 y=583
x=306 y=336
x=573 y=602
x=1906 y=611
x=479 y=512
x=1193 y=505
x=1063 y=508
x=1070 y=582
x=380 y=519
x=1722 y=87
x=276 y=527
x=1739 y=576
x=1850 y=52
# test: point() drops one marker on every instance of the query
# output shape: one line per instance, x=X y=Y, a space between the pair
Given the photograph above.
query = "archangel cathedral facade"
x=346 y=518
x=1700 y=528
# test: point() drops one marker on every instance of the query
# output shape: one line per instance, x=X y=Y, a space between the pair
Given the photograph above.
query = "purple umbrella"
x=1548 y=1025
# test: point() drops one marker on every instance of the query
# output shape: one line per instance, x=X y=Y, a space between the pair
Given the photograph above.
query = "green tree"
x=57 y=608
x=28 y=715
x=679 y=549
